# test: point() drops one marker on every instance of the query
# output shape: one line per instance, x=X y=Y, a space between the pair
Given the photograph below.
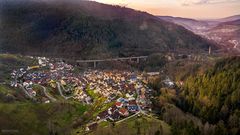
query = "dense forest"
x=207 y=102
x=215 y=96
x=87 y=29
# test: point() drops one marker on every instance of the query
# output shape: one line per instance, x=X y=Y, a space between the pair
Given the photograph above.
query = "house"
x=133 y=79
x=124 y=112
x=119 y=104
x=180 y=83
x=115 y=116
x=63 y=82
x=92 y=126
x=32 y=92
x=88 y=100
x=131 y=98
x=168 y=82
x=47 y=101
x=112 y=109
x=132 y=106
x=128 y=95
x=132 y=102
x=103 y=115
x=122 y=100
x=112 y=96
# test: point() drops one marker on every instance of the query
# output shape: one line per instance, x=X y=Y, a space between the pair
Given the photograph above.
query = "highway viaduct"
x=138 y=58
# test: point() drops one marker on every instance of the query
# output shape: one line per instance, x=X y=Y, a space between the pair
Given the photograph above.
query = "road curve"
x=25 y=91
x=60 y=91
x=47 y=94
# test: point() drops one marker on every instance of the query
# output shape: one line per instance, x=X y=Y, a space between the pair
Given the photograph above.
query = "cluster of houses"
x=42 y=74
x=122 y=108
x=112 y=84
x=18 y=76
x=126 y=91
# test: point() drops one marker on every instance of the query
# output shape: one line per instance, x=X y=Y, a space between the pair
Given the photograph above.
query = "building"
x=119 y=104
x=132 y=106
x=124 y=112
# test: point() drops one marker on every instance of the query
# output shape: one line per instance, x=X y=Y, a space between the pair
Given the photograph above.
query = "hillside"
x=235 y=22
x=193 y=25
x=137 y=125
x=87 y=29
x=228 y=19
x=39 y=119
x=214 y=96
x=224 y=31
x=205 y=101
x=226 y=34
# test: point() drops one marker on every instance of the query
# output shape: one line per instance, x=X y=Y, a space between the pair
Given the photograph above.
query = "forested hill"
x=87 y=29
x=215 y=95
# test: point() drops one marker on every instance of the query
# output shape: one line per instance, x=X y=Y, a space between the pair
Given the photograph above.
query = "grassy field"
x=141 y=125
x=40 y=119
x=9 y=94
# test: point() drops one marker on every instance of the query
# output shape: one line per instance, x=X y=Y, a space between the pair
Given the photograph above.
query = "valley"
x=81 y=67
x=225 y=32
x=106 y=98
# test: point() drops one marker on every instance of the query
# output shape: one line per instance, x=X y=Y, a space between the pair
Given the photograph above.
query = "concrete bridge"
x=113 y=59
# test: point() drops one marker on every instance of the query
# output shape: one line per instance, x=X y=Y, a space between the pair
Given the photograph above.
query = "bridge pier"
x=94 y=64
x=138 y=60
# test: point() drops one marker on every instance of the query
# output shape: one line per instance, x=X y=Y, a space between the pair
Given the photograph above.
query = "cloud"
x=203 y=2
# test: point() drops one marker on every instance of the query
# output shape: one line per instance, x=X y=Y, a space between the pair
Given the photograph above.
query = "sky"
x=199 y=9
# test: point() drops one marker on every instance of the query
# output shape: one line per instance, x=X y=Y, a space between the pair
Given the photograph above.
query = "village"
x=127 y=92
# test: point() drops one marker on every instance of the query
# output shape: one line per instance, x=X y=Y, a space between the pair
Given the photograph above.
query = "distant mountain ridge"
x=87 y=29
x=235 y=22
x=224 y=31
x=227 y=19
x=190 y=24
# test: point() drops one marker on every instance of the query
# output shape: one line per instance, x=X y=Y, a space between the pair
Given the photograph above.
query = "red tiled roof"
x=132 y=102
x=118 y=103
x=123 y=110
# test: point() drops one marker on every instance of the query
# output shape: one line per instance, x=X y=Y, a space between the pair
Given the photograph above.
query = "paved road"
x=47 y=94
x=26 y=92
x=60 y=91
x=128 y=117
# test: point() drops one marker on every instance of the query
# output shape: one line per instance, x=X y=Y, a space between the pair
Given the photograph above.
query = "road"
x=99 y=121
x=60 y=91
x=128 y=117
x=26 y=92
x=47 y=94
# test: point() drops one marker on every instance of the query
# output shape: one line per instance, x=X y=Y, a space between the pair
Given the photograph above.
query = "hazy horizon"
x=198 y=9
